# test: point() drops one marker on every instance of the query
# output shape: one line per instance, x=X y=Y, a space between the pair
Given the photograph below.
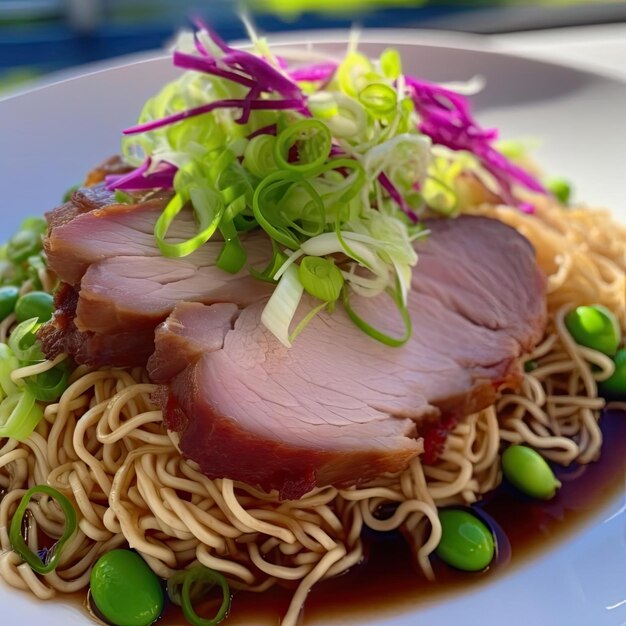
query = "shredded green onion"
x=233 y=256
x=19 y=415
x=50 y=385
x=379 y=99
x=269 y=274
x=304 y=322
x=188 y=586
x=259 y=156
x=208 y=207
x=50 y=563
x=272 y=203
x=323 y=105
x=350 y=74
x=282 y=305
x=331 y=161
x=391 y=64
x=8 y=363
x=312 y=140
x=23 y=342
x=376 y=334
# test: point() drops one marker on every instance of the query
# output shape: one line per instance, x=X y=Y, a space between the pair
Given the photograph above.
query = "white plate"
x=51 y=136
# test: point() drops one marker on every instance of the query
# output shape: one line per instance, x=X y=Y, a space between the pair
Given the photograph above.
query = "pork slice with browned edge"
x=119 y=287
x=338 y=407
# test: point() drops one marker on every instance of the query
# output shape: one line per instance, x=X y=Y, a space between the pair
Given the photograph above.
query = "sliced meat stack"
x=338 y=407
x=117 y=285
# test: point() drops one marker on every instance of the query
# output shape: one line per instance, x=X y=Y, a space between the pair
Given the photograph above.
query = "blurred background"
x=40 y=36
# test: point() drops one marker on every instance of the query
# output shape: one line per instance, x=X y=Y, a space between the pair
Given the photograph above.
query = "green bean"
x=594 y=327
x=125 y=590
x=466 y=543
x=528 y=471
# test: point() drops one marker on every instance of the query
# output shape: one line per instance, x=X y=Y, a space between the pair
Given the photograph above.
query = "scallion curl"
x=271 y=215
x=259 y=156
x=350 y=73
x=321 y=278
x=208 y=207
x=350 y=120
x=19 y=544
x=185 y=587
x=313 y=141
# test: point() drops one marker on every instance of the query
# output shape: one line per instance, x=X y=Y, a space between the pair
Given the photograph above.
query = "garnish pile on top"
x=336 y=162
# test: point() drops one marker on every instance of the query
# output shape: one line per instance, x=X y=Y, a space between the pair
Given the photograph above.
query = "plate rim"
x=446 y=39
x=377 y=37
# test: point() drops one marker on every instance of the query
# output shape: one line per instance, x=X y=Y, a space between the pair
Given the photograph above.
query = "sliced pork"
x=93 y=227
x=121 y=285
x=339 y=407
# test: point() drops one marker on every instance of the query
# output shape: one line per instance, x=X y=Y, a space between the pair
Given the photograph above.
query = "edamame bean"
x=615 y=386
x=36 y=224
x=37 y=304
x=560 y=189
x=125 y=590
x=8 y=298
x=594 y=327
x=528 y=471
x=466 y=543
x=530 y=366
x=22 y=245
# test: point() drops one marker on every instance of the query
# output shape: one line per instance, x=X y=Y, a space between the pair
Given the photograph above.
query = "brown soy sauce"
x=389 y=583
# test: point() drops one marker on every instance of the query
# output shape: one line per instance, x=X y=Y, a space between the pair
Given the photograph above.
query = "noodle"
x=103 y=444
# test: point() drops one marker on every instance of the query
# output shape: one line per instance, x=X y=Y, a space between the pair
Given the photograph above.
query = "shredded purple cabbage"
x=267 y=78
x=445 y=115
x=314 y=73
x=255 y=105
x=446 y=118
x=272 y=129
x=200 y=24
x=138 y=179
x=209 y=66
x=240 y=67
x=396 y=196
